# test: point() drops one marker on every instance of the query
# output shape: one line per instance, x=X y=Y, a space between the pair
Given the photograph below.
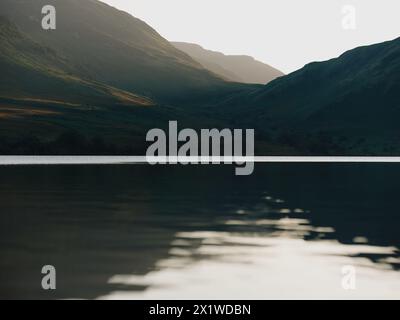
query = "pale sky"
x=286 y=34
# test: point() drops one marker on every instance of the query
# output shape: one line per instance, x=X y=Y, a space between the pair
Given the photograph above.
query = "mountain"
x=45 y=107
x=32 y=71
x=236 y=68
x=108 y=46
x=96 y=84
x=103 y=78
x=347 y=105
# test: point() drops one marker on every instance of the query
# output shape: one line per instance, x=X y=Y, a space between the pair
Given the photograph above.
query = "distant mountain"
x=231 y=67
x=108 y=46
x=348 y=105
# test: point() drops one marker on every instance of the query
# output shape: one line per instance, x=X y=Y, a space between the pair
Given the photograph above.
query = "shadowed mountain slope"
x=32 y=71
x=352 y=102
x=103 y=44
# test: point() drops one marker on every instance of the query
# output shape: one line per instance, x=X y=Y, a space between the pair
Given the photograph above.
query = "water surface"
x=176 y=232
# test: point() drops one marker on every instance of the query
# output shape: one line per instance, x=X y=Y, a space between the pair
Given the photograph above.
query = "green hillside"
x=112 y=47
x=348 y=105
x=32 y=71
x=97 y=83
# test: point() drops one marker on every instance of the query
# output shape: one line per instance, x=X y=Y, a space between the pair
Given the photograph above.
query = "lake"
x=135 y=231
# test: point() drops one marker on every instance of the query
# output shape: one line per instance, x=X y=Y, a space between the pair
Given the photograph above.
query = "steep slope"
x=350 y=104
x=96 y=84
x=32 y=71
x=231 y=67
x=114 y=48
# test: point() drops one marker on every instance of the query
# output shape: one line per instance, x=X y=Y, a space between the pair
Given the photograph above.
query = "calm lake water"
x=175 y=232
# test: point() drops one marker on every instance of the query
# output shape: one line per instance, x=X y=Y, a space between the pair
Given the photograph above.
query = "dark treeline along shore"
x=97 y=83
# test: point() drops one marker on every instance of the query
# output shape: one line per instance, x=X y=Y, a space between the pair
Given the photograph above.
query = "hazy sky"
x=283 y=33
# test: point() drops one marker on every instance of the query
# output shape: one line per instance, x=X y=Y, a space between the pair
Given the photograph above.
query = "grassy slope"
x=353 y=101
x=42 y=99
x=112 y=47
x=100 y=64
x=84 y=77
x=33 y=71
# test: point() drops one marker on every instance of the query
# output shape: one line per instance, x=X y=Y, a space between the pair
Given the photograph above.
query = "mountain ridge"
x=237 y=68
x=104 y=74
x=112 y=47
x=352 y=100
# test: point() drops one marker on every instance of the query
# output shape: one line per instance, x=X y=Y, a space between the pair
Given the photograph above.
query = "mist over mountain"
x=238 y=68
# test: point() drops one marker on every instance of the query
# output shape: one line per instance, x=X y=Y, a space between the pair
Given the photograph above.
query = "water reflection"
x=200 y=232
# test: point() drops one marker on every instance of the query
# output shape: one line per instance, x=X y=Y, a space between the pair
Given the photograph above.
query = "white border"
x=54 y=160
